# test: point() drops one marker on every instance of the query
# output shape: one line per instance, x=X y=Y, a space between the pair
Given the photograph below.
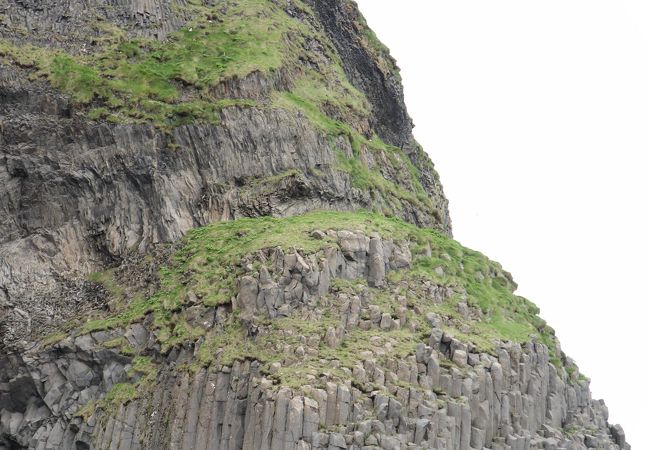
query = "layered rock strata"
x=148 y=300
x=77 y=195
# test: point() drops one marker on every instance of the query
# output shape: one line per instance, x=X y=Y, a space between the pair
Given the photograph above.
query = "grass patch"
x=171 y=82
x=53 y=338
x=209 y=263
x=144 y=80
x=144 y=373
x=135 y=310
x=107 y=280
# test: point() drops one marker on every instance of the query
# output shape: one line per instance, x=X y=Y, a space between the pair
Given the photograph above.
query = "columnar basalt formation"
x=217 y=231
x=301 y=388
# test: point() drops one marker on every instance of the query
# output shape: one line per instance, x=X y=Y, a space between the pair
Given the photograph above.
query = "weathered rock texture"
x=445 y=395
x=79 y=25
x=307 y=350
x=77 y=195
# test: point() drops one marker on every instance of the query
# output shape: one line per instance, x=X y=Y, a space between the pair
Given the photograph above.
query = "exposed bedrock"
x=320 y=322
x=77 y=195
x=444 y=395
x=80 y=25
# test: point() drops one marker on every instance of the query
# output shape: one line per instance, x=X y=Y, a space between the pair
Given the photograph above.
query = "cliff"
x=218 y=232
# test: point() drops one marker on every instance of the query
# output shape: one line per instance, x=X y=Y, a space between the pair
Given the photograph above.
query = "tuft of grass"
x=135 y=310
x=144 y=373
x=54 y=338
x=81 y=81
x=107 y=280
x=171 y=82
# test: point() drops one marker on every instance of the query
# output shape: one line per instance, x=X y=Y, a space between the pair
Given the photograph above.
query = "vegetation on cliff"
x=212 y=259
x=246 y=108
x=174 y=81
x=207 y=269
x=185 y=79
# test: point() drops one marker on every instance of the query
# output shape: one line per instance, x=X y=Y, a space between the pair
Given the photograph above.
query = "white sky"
x=537 y=116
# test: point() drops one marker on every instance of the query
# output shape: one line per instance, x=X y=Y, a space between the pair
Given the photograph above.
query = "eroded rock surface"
x=76 y=195
x=123 y=326
x=442 y=394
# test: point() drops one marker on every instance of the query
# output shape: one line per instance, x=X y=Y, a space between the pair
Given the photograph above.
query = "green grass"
x=319 y=91
x=121 y=343
x=208 y=265
x=135 y=310
x=144 y=79
x=107 y=280
x=143 y=374
x=54 y=338
x=170 y=83
x=60 y=334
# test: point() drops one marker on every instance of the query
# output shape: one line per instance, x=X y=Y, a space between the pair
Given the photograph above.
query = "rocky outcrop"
x=442 y=394
x=77 y=195
x=298 y=281
x=125 y=126
x=81 y=26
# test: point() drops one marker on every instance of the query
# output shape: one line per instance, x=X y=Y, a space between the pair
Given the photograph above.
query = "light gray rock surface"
x=329 y=350
x=512 y=399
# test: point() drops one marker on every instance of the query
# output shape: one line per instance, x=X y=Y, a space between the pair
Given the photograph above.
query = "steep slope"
x=114 y=140
x=126 y=126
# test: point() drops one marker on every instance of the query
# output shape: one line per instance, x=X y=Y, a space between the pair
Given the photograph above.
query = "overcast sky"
x=537 y=116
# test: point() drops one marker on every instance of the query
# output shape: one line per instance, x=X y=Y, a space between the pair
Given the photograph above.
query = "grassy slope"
x=172 y=83
x=209 y=263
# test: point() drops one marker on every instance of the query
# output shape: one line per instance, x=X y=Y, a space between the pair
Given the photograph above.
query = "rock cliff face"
x=127 y=126
x=78 y=194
